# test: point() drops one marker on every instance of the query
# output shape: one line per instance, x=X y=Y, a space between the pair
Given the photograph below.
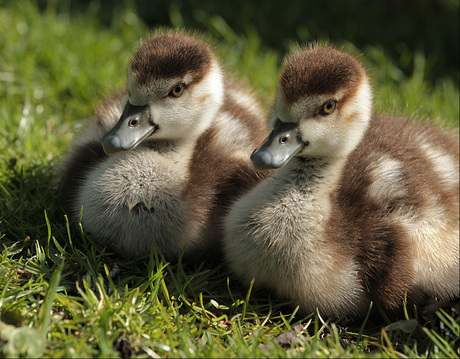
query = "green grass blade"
x=45 y=310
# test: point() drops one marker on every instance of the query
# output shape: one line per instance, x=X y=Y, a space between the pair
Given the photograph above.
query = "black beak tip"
x=262 y=160
x=111 y=144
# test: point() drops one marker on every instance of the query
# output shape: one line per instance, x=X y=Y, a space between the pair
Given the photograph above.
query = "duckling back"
x=397 y=210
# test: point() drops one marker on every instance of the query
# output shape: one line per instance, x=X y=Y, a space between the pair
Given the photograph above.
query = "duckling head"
x=174 y=89
x=322 y=108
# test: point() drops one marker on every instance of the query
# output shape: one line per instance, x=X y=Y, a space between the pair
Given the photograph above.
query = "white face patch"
x=187 y=116
x=387 y=181
x=328 y=136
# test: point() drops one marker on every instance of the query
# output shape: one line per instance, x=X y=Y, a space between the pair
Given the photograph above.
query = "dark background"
x=401 y=27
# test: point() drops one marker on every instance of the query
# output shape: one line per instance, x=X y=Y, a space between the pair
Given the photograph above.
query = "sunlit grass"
x=62 y=296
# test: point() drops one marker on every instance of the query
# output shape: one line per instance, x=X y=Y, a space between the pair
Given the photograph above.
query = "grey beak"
x=134 y=125
x=278 y=148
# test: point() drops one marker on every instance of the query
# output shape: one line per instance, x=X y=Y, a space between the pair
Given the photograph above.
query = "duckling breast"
x=276 y=234
x=134 y=199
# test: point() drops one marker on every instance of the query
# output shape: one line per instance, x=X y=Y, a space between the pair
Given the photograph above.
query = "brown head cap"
x=318 y=71
x=170 y=55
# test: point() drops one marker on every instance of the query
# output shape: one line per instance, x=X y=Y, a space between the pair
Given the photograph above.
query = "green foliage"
x=63 y=296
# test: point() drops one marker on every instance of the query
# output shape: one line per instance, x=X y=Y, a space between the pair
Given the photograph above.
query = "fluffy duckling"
x=160 y=162
x=361 y=203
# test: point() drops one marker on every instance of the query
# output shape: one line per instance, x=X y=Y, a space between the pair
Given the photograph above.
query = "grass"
x=63 y=296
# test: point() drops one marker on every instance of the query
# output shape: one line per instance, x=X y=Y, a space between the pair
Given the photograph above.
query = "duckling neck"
x=313 y=173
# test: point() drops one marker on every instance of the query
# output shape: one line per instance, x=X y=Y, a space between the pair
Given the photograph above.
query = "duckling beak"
x=134 y=125
x=278 y=148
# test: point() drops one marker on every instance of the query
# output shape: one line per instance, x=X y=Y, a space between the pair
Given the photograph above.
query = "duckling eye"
x=328 y=107
x=177 y=90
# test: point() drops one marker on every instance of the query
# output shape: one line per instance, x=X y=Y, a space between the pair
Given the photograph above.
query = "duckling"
x=160 y=161
x=360 y=207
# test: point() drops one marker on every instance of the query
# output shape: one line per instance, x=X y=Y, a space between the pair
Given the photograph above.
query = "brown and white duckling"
x=362 y=203
x=160 y=162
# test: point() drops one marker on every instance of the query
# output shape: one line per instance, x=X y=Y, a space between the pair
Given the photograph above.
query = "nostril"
x=284 y=139
x=133 y=122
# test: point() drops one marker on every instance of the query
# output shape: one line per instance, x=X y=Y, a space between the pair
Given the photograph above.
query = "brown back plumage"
x=371 y=230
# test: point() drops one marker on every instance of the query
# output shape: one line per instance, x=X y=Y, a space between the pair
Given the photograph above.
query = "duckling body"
x=361 y=203
x=175 y=152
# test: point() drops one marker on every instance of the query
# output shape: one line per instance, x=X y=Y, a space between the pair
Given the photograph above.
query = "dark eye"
x=177 y=90
x=328 y=107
